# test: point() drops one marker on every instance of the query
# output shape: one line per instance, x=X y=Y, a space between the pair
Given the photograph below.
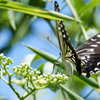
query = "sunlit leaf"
x=4 y=4
x=88 y=6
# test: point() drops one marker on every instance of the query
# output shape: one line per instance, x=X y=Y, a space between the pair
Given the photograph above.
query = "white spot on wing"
x=85 y=60
x=88 y=49
x=62 y=30
x=61 y=25
x=91 y=72
x=96 y=69
x=98 y=35
x=64 y=35
x=98 y=63
x=93 y=45
x=93 y=39
x=88 y=56
x=98 y=42
x=59 y=28
x=82 y=58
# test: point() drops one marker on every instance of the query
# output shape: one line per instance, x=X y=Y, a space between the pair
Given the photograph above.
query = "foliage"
x=84 y=24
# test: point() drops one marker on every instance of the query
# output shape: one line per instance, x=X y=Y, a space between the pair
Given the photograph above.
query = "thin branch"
x=15 y=91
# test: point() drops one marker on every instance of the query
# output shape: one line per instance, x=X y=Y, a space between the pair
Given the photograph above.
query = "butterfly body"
x=86 y=57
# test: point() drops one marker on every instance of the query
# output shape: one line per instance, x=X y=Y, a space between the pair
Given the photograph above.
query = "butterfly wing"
x=89 y=53
x=61 y=32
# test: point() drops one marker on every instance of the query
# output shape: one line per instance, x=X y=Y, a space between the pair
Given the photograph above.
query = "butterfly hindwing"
x=89 y=53
x=91 y=46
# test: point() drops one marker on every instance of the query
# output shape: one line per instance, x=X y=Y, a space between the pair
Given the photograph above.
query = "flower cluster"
x=35 y=79
x=4 y=62
x=30 y=77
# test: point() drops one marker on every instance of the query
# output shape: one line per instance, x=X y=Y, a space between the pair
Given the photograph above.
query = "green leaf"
x=78 y=4
x=11 y=18
x=37 y=57
x=42 y=53
x=16 y=6
x=88 y=6
x=21 y=31
x=90 y=81
x=41 y=68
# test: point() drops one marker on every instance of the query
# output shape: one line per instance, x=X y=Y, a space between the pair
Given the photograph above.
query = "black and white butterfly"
x=86 y=57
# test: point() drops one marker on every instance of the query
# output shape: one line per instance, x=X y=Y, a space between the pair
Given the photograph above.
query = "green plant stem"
x=29 y=89
x=28 y=94
x=9 y=79
x=15 y=91
x=32 y=82
x=34 y=96
x=77 y=17
x=13 y=73
x=27 y=83
x=6 y=70
x=4 y=80
x=1 y=73
x=25 y=89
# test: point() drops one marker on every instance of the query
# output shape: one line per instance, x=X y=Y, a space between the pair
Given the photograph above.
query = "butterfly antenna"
x=52 y=42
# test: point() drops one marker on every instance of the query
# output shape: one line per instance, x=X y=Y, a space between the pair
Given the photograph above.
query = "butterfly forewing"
x=61 y=32
x=68 y=53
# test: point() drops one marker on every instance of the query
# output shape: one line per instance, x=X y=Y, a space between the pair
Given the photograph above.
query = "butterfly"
x=86 y=57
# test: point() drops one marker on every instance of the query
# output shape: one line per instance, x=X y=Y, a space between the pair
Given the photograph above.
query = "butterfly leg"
x=55 y=63
x=58 y=69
